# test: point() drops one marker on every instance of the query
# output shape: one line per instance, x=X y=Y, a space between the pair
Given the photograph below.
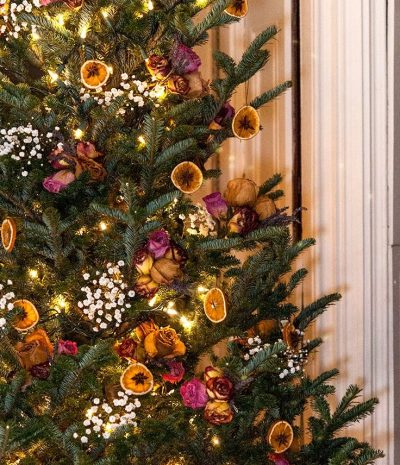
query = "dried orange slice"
x=8 y=234
x=30 y=317
x=246 y=123
x=138 y=379
x=280 y=436
x=238 y=8
x=215 y=305
x=94 y=74
x=291 y=337
x=187 y=177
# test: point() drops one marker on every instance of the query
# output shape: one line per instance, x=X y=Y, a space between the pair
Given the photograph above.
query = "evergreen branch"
x=270 y=95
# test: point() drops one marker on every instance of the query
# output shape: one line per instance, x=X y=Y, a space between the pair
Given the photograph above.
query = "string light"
x=35 y=35
x=202 y=290
x=153 y=301
x=141 y=140
x=78 y=133
x=215 y=441
x=33 y=274
x=59 y=303
x=103 y=226
x=60 y=19
x=83 y=32
x=150 y=5
x=105 y=13
x=186 y=323
x=171 y=310
x=53 y=75
x=201 y=3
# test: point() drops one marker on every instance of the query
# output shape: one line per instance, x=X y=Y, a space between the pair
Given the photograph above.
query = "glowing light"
x=201 y=3
x=202 y=290
x=83 y=32
x=53 y=75
x=105 y=13
x=150 y=5
x=171 y=310
x=33 y=274
x=60 y=303
x=141 y=140
x=186 y=323
x=153 y=301
x=215 y=441
x=35 y=36
x=78 y=133
x=161 y=92
x=110 y=69
x=60 y=19
x=103 y=226
x=81 y=231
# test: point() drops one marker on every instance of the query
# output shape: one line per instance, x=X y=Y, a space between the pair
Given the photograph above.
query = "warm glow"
x=103 y=226
x=215 y=441
x=153 y=301
x=35 y=36
x=60 y=19
x=78 y=133
x=105 y=13
x=201 y=3
x=53 y=75
x=171 y=310
x=33 y=274
x=60 y=303
x=83 y=32
x=150 y=5
x=202 y=290
x=161 y=92
x=186 y=323
x=141 y=140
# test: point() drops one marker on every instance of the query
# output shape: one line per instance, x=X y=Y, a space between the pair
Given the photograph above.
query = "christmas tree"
x=130 y=331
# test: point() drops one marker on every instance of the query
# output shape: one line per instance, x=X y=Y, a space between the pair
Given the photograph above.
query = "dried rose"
x=145 y=286
x=143 y=261
x=241 y=192
x=194 y=394
x=127 y=348
x=67 y=347
x=35 y=350
x=176 y=254
x=212 y=372
x=244 y=221
x=87 y=150
x=216 y=205
x=177 y=371
x=219 y=388
x=145 y=328
x=41 y=371
x=184 y=60
x=96 y=171
x=278 y=459
x=226 y=113
x=164 y=343
x=59 y=181
x=158 y=66
x=218 y=413
x=60 y=159
x=198 y=87
x=265 y=207
x=164 y=271
x=178 y=85
x=159 y=242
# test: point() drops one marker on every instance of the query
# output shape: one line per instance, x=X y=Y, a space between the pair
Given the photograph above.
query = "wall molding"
x=347 y=184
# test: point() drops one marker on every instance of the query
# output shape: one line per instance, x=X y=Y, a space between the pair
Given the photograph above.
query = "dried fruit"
x=246 y=123
x=215 y=305
x=291 y=336
x=238 y=8
x=30 y=317
x=8 y=234
x=280 y=436
x=187 y=177
x=94 y=74
x=138 y=379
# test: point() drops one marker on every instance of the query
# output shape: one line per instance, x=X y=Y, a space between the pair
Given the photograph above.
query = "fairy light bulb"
x=83 y=32
x=171 y=310
x=152 y=301
x=33 y=274
x=150 y=5
x=103 y=226
x=53 y=75
x=60 y=19
x=105 y=13
x=215 y=441
x=35 y=35
x=201 y=3
x=78 y=133
x=186 y=323
x=202 y=289
x=141 y=140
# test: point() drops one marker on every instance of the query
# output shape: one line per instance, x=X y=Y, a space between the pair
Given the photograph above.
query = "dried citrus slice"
x=291 y=336
x=30 y=317
x=238 y=8
x=187 y=177
x=246 y=123
x=215 y=305
x=138 y=379
x=94 y=74
x=280 y=436
x=8 y=234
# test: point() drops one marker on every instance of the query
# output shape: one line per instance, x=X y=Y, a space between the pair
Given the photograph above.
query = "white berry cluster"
x=9 y=12
x=23 y=144
x=5 y=298
x=106 y=297
x=295 y=359
x=256 y=346
x=134 y=91
x=103 y=419
x=200 y=223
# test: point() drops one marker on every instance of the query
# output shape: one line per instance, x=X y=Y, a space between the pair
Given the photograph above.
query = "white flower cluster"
x=9 y=11
x=104 y=419
x=296 y=358
x=134 y=91
x=200 y=223
x=23 y=144
x=5 y=303
x=256 y=346
x=106 y=298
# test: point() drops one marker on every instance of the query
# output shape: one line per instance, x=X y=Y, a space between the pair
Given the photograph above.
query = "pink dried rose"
x=184 y=60
x=67 y=347
x=176 y=373
x=226 y=113
x=194 y=394
x=159 y=243
x=59 y=181
x=87 y=150
x=244 y=221
x=143 y=261
x=216 y=205
x=278 y=459
x=158 y=66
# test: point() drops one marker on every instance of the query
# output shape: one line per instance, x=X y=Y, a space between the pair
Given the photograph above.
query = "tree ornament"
x=265 y=207
x=94 y=74
x=187 y=177
x=138 y=379
x=215 y=305
x=8 y=234
x=238 y=8
x=246 y=123
x=218 y=413
x=280 y=436
x=30 y=317
x=241 y=192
